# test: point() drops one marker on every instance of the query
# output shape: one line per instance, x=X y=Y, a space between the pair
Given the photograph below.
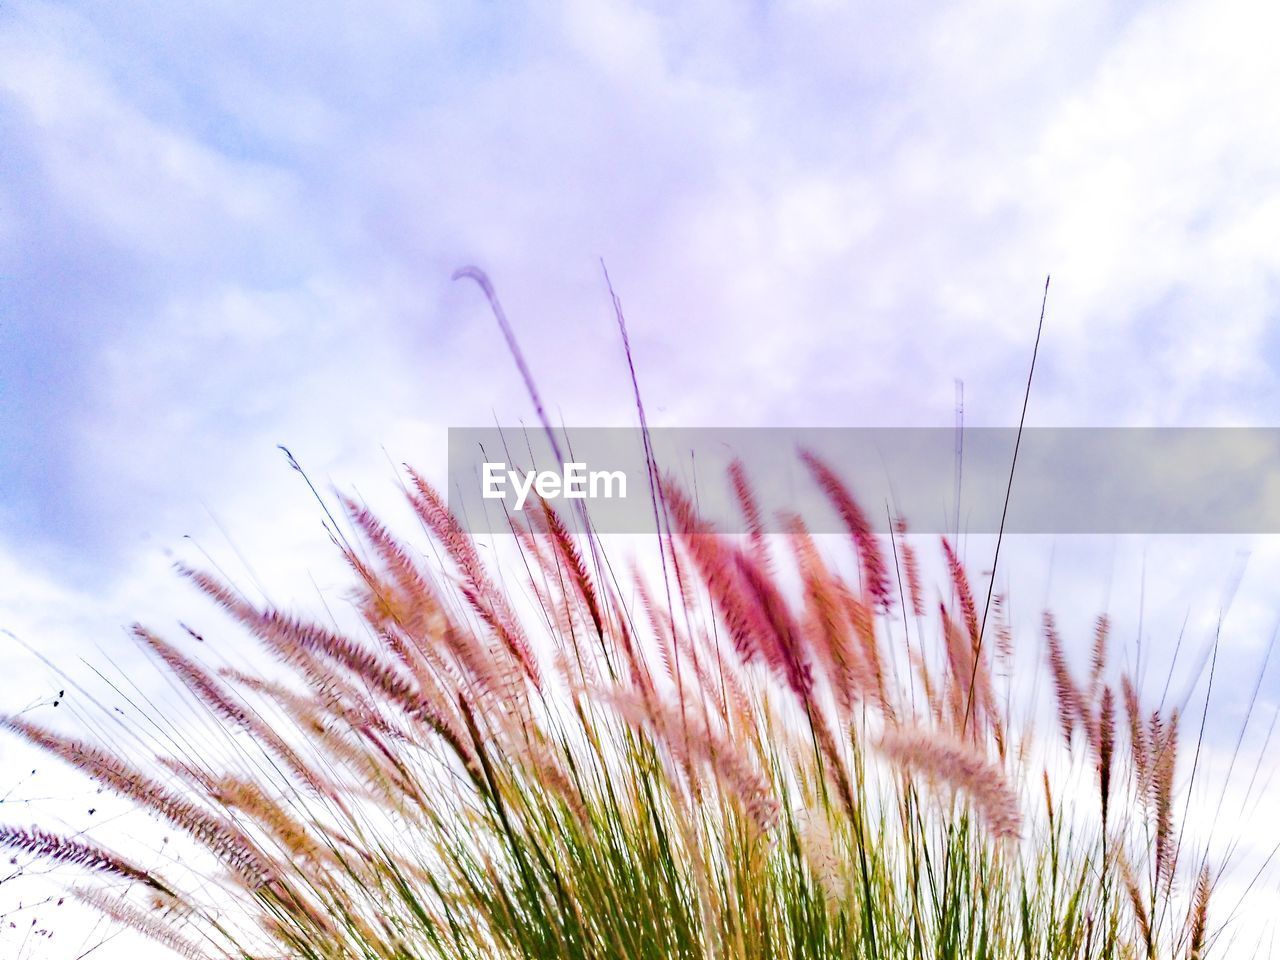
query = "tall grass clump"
x=744 y=751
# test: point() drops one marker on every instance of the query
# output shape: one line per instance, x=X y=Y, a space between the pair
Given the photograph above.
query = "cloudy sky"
x=230 y=225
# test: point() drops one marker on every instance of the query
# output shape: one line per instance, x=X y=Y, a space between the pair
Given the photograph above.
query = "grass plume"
x=733 y=764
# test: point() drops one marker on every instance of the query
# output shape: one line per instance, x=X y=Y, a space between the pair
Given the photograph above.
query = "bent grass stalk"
x=744 y=770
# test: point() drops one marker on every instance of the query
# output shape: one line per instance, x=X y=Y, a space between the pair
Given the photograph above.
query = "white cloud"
x=232 y=226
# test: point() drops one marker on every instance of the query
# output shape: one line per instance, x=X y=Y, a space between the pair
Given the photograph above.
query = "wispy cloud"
x=231 y=226
x=224 y=226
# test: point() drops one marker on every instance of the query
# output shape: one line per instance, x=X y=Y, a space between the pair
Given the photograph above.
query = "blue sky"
x=229 y=225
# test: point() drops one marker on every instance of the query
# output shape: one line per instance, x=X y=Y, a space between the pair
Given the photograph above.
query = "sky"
x=227 y=226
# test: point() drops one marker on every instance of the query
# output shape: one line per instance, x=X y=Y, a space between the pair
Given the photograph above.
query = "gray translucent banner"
x=1068 y=480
